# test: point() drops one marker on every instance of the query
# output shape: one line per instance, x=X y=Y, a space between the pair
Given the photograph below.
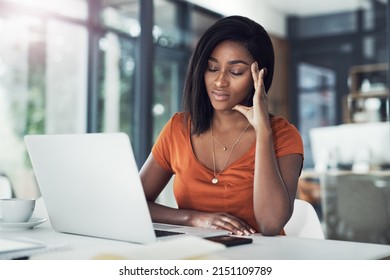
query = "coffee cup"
x=16 y=210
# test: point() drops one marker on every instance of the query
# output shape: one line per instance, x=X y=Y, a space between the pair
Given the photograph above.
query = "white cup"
x=16 y=210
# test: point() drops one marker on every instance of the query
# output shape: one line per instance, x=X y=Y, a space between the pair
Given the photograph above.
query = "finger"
x=238 y=226
x=230 y=227
x=242 y=225
x=255 y=74
x=241 y=108
x=262 y=74
x=243 y=229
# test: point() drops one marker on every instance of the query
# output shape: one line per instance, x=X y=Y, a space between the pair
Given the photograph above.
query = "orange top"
x=234 y=192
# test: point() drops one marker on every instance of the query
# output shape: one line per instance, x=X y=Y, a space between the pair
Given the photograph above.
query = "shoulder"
x=177 y=125
x=286 y=137
x=179 y=118
x=178 y=122
x=171 y=138
x=280 y=124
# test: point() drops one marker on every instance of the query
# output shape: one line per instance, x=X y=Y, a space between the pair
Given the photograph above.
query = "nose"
x=221 y=80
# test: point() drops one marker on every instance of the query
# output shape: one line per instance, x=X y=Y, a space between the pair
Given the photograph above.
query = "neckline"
x=203 y=166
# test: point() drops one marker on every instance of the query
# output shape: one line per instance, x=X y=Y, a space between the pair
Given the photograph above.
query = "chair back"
x=356 y=207
x=304 y=221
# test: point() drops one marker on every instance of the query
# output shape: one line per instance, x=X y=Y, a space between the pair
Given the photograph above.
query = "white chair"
x=304 y=221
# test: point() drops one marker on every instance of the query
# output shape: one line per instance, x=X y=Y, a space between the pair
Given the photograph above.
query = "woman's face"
x=228 y=76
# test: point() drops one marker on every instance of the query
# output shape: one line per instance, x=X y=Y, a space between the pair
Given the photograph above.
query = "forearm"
x=168 y=215
x=271 y=198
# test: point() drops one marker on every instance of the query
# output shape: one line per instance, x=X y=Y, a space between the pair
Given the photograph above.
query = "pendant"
x=224 y=148
x=214 y=181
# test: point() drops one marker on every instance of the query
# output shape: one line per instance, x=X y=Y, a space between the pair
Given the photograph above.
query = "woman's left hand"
x=258 y=114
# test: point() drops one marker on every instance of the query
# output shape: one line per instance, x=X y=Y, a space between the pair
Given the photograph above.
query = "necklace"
x=215 y=179
x=224 y=148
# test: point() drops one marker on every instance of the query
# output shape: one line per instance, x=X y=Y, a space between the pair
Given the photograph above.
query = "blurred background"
x=76 y=66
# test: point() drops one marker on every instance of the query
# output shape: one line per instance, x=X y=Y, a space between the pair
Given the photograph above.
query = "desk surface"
x=270 y=248
x=266 y=248
x=312 y=173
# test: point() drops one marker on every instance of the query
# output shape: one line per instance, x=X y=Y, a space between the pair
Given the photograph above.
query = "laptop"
x=91 y=186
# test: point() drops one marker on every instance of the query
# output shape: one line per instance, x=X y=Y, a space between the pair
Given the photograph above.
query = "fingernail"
x=265 y=71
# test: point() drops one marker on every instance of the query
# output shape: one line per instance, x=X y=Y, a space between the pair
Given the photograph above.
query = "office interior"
x=85 y=66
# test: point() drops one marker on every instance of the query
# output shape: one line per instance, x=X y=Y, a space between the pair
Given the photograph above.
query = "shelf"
x=367 y=78
x=368 y=68
x=374 y=94
x=367 y=82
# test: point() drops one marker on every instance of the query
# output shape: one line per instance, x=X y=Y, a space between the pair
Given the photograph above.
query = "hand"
x=222 y=221
x=258 y=114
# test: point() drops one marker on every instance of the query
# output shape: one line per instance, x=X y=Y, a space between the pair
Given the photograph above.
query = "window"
x=116 y=84
x=177 y=30
x=77 y=9
x=42 y=87
x=71 y=67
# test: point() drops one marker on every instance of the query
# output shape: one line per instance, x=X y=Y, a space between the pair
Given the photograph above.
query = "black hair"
x=241 y=29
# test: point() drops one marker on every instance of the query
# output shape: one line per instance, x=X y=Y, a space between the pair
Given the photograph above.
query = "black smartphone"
x=229 y=240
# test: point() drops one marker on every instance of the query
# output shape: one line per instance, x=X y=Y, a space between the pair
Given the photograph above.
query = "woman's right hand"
x=258 y=114
x=221 y=220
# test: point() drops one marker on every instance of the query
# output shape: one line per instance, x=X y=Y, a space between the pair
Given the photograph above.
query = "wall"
x=272 y=20
x=275 y=24
x=278 y=97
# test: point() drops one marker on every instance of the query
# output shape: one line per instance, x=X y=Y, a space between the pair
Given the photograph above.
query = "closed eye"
x=212 y=69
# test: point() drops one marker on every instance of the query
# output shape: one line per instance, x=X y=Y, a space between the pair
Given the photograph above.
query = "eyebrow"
x=232 y=62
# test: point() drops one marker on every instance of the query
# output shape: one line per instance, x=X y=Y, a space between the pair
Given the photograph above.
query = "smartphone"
x=229 y=240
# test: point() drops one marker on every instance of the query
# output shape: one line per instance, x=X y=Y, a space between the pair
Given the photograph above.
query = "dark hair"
x=254 y=38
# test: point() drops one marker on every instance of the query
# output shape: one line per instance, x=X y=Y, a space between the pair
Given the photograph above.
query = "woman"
x=236 y=166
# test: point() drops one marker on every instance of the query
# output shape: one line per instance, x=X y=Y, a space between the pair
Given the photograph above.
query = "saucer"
x=30 y=224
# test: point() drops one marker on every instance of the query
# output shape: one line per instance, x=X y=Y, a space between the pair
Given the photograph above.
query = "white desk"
x=263 y=248
x=312 y=173
x=266 y=248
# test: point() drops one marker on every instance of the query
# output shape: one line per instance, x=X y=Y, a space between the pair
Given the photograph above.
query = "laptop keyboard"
x=161 y=233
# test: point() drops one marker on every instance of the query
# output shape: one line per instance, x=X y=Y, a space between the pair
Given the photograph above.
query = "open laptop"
x=91 y=186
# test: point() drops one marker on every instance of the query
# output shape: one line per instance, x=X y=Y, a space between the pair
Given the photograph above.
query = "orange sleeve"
x=286 y=138
x=170 y=142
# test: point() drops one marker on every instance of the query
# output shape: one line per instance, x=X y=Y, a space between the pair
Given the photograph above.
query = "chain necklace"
x=224 y=148
x=215 y=179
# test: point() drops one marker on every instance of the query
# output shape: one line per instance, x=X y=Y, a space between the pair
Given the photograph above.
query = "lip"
x=220 y=95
